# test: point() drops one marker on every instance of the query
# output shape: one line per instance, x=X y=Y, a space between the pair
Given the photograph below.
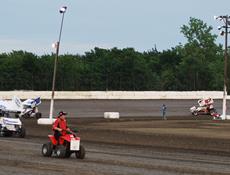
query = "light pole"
x=225 y=32
x=57 y=45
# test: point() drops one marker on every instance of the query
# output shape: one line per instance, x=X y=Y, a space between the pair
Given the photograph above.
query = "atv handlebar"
x=71 y=132
x=74 y=132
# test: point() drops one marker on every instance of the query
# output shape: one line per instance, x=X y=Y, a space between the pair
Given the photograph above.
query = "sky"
x=33 y=25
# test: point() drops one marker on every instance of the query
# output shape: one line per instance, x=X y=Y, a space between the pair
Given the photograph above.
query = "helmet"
x=62 y=113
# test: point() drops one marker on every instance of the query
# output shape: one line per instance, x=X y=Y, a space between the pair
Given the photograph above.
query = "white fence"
x=113 y=94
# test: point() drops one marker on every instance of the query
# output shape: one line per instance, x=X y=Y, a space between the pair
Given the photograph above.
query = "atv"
x=67 y=145
x=10 y=124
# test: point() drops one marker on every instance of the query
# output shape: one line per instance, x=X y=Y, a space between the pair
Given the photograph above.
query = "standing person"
x=60 y=125
x=163 y=111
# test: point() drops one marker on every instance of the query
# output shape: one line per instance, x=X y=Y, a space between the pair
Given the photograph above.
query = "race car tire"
x=81 y=153
x=38 y=115
x=47 y=149
x=22 y=132
x=195 y=113
x=1 y=132
x=212 y=110
x=61 y=151
x=7 y=134
x=26 y=116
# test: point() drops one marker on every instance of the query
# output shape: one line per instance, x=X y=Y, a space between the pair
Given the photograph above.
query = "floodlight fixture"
x=63 y=9
x=218 y=18
x=222 y=33
x=219 y=27
x=54 y=45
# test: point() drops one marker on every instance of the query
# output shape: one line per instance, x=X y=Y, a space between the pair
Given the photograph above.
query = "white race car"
x=206 y=107
x=26 y=109
x=10 y=124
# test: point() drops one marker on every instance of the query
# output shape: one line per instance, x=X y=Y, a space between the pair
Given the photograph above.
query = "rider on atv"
x=60 y=126
x=64 y=142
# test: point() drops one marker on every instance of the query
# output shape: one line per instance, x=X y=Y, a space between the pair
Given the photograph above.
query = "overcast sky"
x=33 y=25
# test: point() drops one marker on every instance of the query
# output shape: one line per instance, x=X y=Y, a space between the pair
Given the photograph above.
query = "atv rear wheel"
x=68 y=154
x=47 y=149
x=61 y=151
x=81 y=153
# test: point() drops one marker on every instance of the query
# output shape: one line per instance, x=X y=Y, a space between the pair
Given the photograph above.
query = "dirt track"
x=139 y=143
x=126 y=108
x=126 y=146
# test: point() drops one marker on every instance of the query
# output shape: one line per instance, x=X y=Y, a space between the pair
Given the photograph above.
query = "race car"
x=10 y=124
x=26 y=109
x=205 y=107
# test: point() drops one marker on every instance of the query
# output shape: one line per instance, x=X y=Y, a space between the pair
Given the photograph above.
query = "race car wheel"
x=7 y=134
x=38 y=115
x=212 y=111
x=22 y=132
x=61 y=151
x=195 y=113
x=47 y=149
x=26 y=116
x=81 y=153
x=1 y=132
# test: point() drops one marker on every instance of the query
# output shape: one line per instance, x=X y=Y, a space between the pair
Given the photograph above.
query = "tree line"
x=196 y=65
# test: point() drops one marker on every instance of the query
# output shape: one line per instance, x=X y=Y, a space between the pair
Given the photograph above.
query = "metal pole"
x=225 y=68
x=55 y=69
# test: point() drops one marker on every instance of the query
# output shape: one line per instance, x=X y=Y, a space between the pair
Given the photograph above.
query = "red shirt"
x=60 y=123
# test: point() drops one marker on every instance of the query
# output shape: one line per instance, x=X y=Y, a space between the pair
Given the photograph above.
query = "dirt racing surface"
x=126 y=146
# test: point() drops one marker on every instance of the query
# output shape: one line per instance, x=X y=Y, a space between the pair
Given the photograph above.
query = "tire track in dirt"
x=110 y=160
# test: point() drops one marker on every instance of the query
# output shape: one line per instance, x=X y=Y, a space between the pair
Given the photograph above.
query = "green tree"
x=169 y=61
x=200 y=51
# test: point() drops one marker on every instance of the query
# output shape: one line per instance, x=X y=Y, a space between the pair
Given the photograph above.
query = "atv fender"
x=52 y=139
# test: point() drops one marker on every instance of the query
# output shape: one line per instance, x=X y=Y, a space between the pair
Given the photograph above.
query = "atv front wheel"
x=47 y=149
x=81 y=153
